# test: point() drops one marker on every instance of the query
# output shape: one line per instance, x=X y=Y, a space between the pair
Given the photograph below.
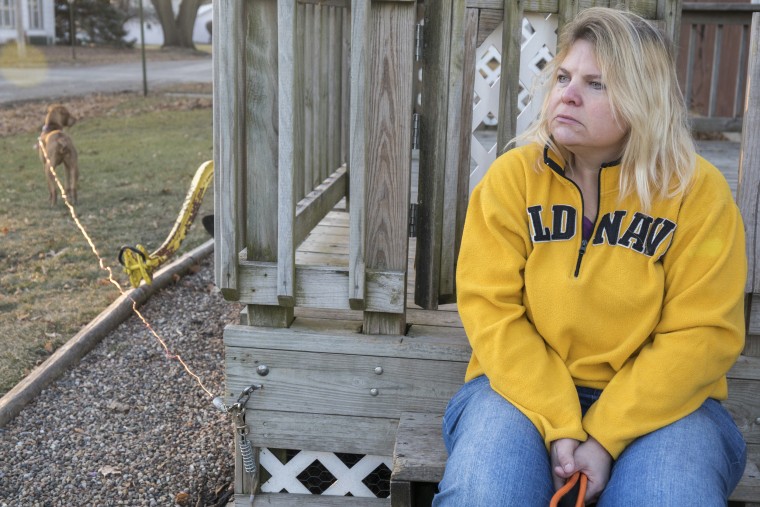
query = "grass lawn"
x=136 y=163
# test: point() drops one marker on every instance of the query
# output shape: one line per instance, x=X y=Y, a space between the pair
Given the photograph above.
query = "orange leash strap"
x=571 y=482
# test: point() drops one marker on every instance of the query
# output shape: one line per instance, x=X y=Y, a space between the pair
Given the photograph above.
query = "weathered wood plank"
x=389 y=113
x=360 y=26
x=432 y=347
x=401 y=494
x=509 y=82
x=753 y=307
x=433 y=150
x=715 y=124
x=229 y=156
x=749 y=172
x=262 y=141
x=333 y=101
x=308 y=97
x=530 y=5
x=729 y=13
x=289 y=147
x=318 y=203
x=415 y=317
x=457 y=187
x=343 y=384
x=324 y=95
x=262 y=88
x=669 y=14
x=741 y=76
x=322 y=287
x=345 y=83
x=321 y=432
x=419 y=454
x=330 y=3
x=488 y=21
x=456 y=128
x=743 y=403
x=713 y=99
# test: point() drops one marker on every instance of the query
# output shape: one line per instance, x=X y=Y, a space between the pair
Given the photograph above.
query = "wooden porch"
x=348 y=322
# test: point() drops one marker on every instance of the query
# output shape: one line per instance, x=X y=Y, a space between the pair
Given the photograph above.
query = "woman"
x=600 y=282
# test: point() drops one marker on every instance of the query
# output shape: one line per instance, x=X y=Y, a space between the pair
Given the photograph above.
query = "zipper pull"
x=582 y=251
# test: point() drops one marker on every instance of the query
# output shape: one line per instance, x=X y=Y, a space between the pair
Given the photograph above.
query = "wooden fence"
x=713 y=55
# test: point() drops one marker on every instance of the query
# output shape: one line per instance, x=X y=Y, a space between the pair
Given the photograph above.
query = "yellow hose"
x=138 y=264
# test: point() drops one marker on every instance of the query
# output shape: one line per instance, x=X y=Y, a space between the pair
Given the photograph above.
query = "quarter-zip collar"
x=549 y=160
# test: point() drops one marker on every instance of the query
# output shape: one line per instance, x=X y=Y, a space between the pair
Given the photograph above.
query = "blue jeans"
x=498 y=458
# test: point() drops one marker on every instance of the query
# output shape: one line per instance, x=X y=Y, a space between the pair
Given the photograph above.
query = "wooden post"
x=669 y=13
x=290 y=146
x=388 y=148
x=309 y=100
x=749 y=168
x=459 y=119
x=229 y=156
x=263 y=151
x=510 y=75
x=360 y=16
x=435 y=103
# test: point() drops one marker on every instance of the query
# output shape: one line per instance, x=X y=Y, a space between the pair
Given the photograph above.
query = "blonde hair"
x=638 y=68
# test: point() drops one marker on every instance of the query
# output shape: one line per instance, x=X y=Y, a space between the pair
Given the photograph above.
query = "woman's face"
x=580 y=116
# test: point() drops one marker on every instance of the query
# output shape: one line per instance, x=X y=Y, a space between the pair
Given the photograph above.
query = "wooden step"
x=420 y=457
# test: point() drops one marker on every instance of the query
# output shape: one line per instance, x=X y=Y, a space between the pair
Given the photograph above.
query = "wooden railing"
x=716 y=93
x=280 y=127
x=282 y=152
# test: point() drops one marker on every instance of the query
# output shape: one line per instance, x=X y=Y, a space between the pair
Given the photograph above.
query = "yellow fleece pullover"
x=650 y=310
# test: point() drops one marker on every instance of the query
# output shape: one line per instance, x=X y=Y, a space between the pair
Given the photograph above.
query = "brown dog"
x=57 y=148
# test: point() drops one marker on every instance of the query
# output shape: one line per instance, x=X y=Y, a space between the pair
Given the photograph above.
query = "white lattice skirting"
x=539 y=38
x=344 y=479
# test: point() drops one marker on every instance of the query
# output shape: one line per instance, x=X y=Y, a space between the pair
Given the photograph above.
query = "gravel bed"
x=127 y=425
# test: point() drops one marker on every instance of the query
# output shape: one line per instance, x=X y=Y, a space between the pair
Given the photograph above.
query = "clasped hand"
x=569 y=456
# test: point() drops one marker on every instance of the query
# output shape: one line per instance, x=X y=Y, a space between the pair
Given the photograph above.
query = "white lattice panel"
x=348 y=480
x=539 y=39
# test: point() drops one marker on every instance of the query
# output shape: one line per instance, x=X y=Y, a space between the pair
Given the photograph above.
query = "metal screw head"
x=262 y=370
x=379 y=370
x=374 y=391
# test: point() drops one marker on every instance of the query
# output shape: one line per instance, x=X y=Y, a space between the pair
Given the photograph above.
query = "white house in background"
x=154 y=34
x=37 y=17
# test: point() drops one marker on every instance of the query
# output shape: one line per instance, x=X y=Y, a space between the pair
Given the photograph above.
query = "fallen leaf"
x=181 y=498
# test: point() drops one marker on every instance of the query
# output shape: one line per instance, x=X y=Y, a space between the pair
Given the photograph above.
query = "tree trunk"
x=188 y=12
x=178 y=32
